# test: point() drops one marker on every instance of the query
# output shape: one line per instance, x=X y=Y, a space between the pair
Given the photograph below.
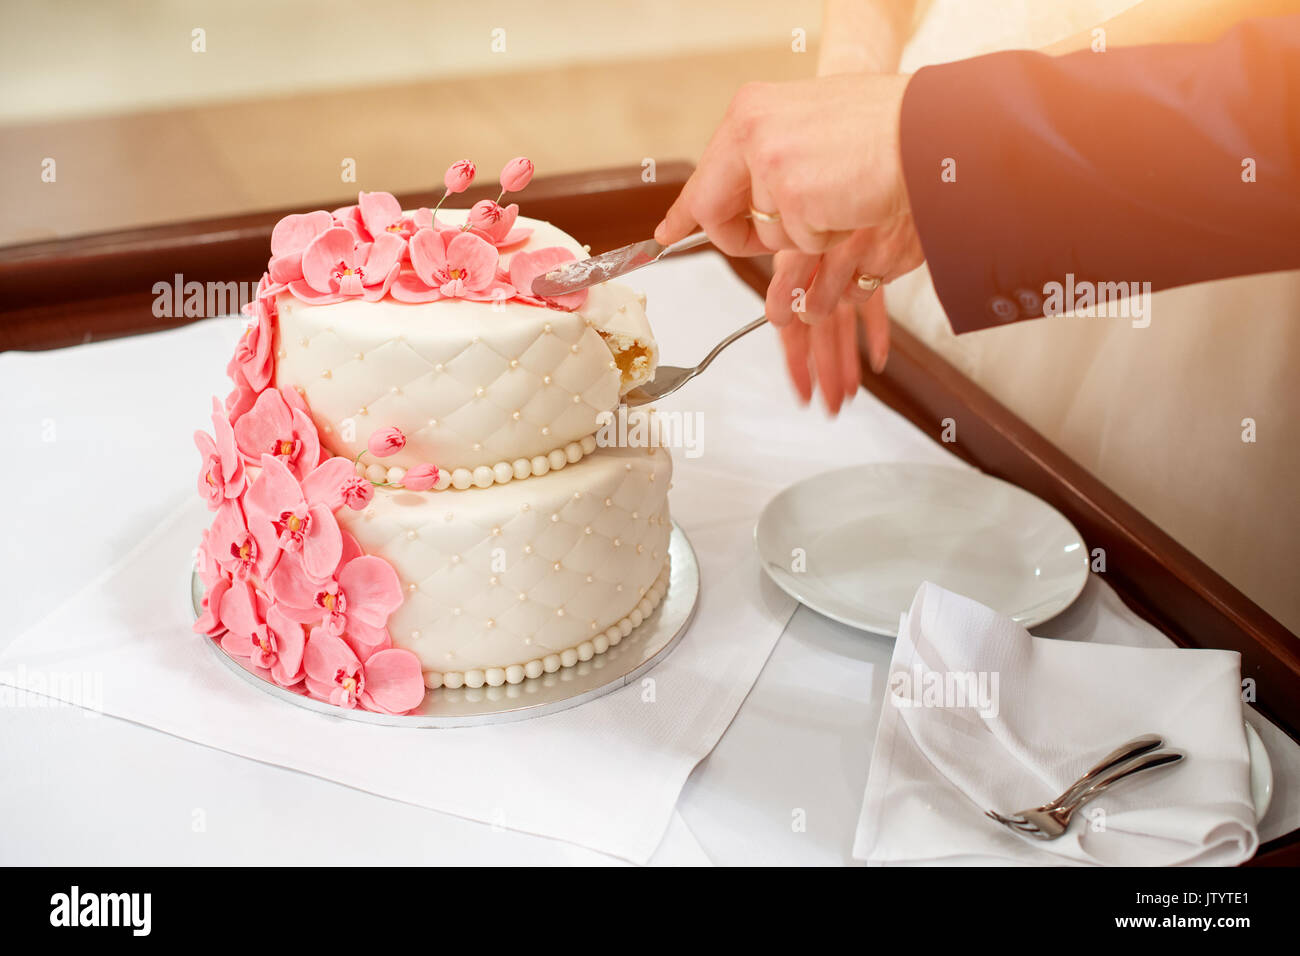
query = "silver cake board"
x=648 y=644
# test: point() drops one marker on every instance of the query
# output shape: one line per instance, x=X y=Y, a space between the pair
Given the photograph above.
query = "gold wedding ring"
x=761 y=216
x=869 y=283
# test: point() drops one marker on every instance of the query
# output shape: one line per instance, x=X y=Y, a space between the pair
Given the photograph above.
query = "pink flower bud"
x=357 y=492
x=459 y=175
x=420 y=478
x=485 y=214
x=386 y=441
x=517 y=174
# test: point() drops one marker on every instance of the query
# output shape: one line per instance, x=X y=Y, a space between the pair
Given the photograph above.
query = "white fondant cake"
x=468 y=383
x=494 y=578
x=372 y=532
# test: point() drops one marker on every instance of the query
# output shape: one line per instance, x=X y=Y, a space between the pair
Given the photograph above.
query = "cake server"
x=575 y=276
x=669 y=378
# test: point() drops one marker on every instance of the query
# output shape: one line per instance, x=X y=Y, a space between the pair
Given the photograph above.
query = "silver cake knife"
x=575 y=276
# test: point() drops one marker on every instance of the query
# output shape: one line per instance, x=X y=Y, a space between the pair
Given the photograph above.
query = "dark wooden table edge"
x=64 y=292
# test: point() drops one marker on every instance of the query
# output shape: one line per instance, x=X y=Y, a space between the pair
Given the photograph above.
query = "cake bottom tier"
x=519 y=579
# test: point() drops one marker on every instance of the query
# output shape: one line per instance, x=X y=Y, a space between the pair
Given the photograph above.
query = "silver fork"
x=669 y=378
x=1051 y=819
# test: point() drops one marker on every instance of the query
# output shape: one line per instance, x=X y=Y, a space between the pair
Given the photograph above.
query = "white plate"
x=856 y=543
x=1261 y=773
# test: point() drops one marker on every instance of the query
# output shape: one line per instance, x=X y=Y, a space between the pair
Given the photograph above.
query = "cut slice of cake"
x=618 y=315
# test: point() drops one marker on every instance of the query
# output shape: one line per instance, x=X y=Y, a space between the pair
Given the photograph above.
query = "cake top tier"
x=424 y=321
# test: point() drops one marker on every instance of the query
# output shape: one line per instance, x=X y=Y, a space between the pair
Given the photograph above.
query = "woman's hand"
x=807 y=295
x=825 y=355
x=821 y=154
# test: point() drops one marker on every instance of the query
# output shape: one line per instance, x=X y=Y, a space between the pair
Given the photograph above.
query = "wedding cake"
x=406 y=485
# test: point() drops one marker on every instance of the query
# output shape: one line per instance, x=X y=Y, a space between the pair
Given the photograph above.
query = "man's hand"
x=822 y=154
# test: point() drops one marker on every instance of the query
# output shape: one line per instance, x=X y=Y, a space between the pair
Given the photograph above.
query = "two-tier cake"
x=406 y=484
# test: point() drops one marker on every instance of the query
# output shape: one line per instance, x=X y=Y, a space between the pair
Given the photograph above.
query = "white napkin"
x=605 y=775
x=1041 y=713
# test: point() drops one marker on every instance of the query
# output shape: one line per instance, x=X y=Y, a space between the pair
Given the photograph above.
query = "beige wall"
x=87 y=57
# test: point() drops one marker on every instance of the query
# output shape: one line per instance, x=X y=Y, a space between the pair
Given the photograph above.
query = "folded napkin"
x=980 y=715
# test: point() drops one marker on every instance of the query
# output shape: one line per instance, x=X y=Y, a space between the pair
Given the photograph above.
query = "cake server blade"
x=575 y=276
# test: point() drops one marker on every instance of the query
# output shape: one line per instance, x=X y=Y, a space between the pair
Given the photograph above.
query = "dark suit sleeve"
x=1123 y=166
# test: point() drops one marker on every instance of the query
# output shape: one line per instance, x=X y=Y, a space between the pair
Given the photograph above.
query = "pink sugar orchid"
x=209 y=622
x=421 y=477
x=527 y=266
x=290 y=239
x=252 y=359
x=241 y=398
x=335 y=266
x=388 y=681
x=496 y=224
x=278 y=426
x=258 y=629
x=459 y=175
x=353 y=604
x=349 y=218
x=451 y=265
x=234 y=547
x=205 y=562
x=221 y=477
x=386 y=441
x=296 y=518
x=516 y=174
x=357 y=492
x=381 y=213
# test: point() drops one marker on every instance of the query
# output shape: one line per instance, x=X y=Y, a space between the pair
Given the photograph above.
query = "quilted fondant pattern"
x=503 y=577
x=467 y=386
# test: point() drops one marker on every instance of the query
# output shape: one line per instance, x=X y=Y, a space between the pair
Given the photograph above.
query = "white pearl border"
x=485 y=476
x=517 y=673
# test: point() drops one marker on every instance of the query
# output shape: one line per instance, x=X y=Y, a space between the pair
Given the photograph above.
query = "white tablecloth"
x=784 y=784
